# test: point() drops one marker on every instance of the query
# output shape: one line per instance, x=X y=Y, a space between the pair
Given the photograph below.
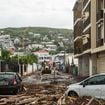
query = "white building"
x=43 y=55
x=69 y=58
x=6 y=42
x=37 y=46
x=51 y=47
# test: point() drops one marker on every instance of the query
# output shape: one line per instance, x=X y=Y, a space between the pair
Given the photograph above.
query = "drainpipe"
x=90 y=66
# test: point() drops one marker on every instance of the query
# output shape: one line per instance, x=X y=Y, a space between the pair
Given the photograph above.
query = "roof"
x=13 y=73
x=76 y=4
x=41 y=51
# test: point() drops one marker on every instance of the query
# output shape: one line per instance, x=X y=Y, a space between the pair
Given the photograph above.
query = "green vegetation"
x=5 y=55
x=26 y=59
x=37 y=30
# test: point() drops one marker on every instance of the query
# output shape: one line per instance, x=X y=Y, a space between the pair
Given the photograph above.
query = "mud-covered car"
x=10 y=82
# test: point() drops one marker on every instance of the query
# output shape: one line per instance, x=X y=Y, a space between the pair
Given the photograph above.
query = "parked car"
x=10 y=82
x=92 y=86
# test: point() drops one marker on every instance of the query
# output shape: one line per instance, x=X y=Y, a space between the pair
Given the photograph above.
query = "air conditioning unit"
x=85 y=15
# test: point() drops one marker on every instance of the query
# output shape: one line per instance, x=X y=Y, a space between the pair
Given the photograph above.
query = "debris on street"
x=80 y=101
x=37 y=92
x=42 y=94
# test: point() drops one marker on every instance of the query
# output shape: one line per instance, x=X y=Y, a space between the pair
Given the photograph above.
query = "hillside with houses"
x=52 y=39
x=25 y=49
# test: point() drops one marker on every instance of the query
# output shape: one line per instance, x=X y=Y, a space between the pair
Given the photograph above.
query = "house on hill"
x=43 y=55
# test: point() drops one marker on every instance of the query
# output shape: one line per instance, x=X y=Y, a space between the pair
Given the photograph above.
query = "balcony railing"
x=78 y=29
x=99 y=15
x=86 y=22
x=99 y=42
x=85 y=2
x=77 y=50
x=86 y=46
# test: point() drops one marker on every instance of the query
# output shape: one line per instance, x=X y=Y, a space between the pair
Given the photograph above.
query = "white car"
x=93 y=86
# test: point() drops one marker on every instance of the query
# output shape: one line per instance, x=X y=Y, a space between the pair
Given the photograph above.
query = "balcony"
x=99 y=15
x=85 y=2
x=77 y=51
x=99 y=42
x=86 y=46
x=86 y=22
x=78 y=28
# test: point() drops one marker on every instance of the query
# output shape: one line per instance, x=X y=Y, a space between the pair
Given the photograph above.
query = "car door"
x=18 y=78
x=93 y=86
x=102 y=86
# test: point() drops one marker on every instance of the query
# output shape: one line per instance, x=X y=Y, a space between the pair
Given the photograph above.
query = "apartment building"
x=6 y=43
x=89 y=36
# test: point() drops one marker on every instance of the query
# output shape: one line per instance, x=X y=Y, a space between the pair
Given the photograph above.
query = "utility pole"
x=23 y=48
x=19 y=64
x=24 y=32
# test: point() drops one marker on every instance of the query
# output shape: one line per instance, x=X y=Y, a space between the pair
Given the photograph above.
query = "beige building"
x=89 y=36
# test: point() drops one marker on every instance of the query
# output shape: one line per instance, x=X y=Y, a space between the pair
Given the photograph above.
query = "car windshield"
x=6 y=76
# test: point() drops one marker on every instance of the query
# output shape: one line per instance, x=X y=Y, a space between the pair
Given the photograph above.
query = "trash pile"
x=51 y=93
x=40 y=94
x=47 y=94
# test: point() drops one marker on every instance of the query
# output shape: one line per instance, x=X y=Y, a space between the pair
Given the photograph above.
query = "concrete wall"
x=101 y=63
x=30 y=69
x=84 y=65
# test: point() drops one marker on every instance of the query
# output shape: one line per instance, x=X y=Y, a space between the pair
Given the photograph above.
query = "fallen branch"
x=61 y=101
x=90 y=101
x=98 y=102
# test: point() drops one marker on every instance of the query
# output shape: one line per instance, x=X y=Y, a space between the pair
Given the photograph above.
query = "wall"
x=84 y=65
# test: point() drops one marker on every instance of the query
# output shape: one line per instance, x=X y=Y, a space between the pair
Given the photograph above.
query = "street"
x=38 y=91
x=38 y=78
x=47 y=89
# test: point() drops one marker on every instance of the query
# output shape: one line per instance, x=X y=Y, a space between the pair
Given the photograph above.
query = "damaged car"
x=92 y=86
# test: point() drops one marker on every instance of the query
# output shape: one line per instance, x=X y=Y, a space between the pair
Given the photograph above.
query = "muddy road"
x=47 y=90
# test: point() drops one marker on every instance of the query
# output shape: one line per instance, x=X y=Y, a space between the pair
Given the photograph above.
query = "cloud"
x=49 y=13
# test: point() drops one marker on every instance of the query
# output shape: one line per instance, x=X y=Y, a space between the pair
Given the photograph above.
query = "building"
x=37 y=46
x=69 y=58
x=89 y=36
x=6 y=43
x=43 y=55
x=51 y=47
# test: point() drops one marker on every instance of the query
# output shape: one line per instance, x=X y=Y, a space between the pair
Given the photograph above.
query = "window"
x=1 y=77
x=8 y=76
x=17 y=78
x=97 y=80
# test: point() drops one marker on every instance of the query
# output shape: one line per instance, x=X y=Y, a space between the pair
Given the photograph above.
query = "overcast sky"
x=48 y=13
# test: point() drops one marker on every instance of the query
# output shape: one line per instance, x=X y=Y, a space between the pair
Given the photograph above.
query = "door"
x=101 y=65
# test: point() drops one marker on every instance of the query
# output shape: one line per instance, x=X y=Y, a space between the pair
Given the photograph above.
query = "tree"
x=27 y=59
x=5 y=55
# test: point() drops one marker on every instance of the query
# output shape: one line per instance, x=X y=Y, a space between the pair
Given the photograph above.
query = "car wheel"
x=72 y=94
x=16 y=91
